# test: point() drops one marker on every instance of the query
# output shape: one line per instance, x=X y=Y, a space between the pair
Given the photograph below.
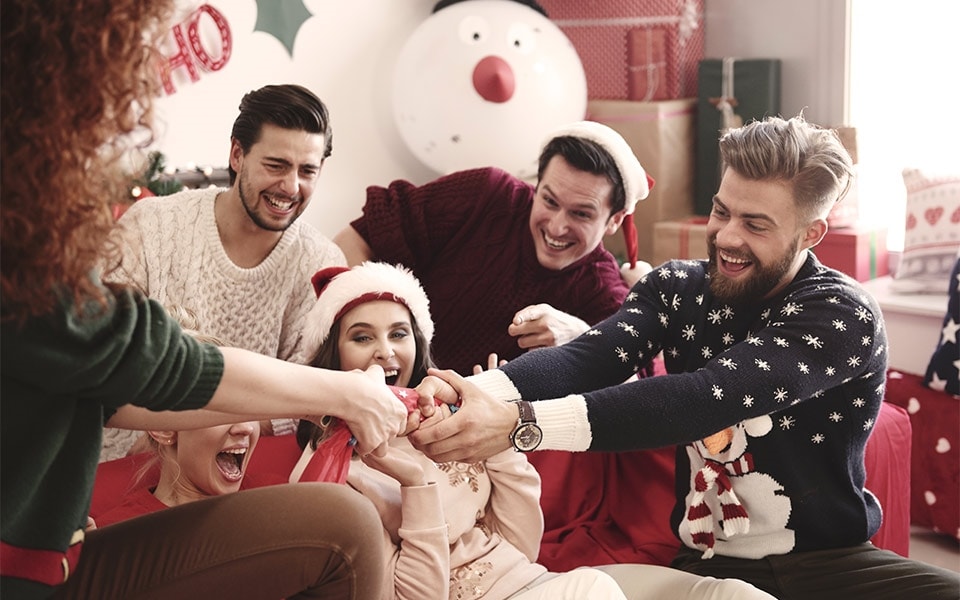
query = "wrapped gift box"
x=679 y=239
x=634 y=49
x=730 y=92
x=859 y=251
x=661 y=135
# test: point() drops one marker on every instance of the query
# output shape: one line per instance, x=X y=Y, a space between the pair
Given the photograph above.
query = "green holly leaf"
x=281 y=19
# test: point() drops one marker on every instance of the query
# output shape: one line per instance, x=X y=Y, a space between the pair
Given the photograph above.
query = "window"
x=904 y=99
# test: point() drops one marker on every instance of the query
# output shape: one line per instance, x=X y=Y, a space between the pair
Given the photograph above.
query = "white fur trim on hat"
x=635 y=181
x=366 y=278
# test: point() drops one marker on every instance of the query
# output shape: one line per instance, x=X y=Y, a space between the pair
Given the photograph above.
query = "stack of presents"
x=648 y=79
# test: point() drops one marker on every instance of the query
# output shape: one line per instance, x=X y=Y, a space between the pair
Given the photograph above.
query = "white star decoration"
x=762 y=364
x=835 y=417
x=839 y=325
x=859 y=402
x=791 y=309
x=717 y=392
x=728 y=338
x=754 y=340
x=780 y=395
x=817 y=438
x=813 y=340
x=664 y=319
x=748 y=401
x=949 y=334
x=868 y=425
x=830 y=371
x=781 y=342
x=706 y=352
x=714 y=316
x=728 y=363
x=622 y=354
x=628 y=328
x=803 y=368
x=786 y=422
x=689 y=332
x=937 y=384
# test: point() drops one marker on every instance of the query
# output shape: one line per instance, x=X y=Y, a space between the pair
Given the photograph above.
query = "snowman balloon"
x=483 y=82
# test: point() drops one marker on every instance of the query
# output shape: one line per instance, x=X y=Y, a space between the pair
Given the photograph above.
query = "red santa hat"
x=340 y=289
x=636 y=182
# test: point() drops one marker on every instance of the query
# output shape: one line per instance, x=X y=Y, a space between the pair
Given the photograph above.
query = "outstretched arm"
x=254 y=386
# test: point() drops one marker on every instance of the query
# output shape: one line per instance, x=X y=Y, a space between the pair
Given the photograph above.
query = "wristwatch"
x=527 y=435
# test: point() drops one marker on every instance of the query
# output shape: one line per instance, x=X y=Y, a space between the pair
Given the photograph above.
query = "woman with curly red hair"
x=78 y=83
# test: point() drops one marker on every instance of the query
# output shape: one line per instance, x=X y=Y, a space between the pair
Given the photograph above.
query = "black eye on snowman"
x=522 y=38
x=474 y=30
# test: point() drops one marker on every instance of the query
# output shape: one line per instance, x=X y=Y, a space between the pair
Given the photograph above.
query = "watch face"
x=527 y=437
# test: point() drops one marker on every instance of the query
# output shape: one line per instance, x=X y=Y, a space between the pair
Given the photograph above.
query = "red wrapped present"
x=859 y=251
x=634 y=49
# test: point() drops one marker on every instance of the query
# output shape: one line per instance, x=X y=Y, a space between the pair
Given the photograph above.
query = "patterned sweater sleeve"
x=514 y=500
x=725 y=364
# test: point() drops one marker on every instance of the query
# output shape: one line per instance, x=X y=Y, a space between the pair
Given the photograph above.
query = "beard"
x=249 y=199
x=754 y=287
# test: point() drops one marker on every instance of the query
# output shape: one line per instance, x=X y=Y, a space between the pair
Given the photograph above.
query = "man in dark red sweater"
x=507 y=265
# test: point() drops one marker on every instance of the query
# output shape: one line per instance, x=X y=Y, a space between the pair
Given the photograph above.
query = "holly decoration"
x=151 y=182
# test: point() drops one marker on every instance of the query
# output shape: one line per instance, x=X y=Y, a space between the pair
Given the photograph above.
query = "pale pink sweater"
x=473 y=532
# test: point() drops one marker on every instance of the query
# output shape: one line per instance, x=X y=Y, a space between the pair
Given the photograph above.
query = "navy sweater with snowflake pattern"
x=798 y=378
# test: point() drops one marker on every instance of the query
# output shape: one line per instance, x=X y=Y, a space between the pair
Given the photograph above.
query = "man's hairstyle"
x=286 y=106
x=588 y=156
x=809 y=158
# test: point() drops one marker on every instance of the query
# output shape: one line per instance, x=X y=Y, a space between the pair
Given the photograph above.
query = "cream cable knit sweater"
x=171 y=249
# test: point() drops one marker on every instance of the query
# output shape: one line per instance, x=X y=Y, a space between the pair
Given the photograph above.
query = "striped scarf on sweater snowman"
x=714 y=478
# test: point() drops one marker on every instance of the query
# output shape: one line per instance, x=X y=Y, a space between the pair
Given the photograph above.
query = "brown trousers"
x=307 y=540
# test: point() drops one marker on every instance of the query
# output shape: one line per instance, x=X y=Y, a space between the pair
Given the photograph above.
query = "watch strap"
x=527 y=414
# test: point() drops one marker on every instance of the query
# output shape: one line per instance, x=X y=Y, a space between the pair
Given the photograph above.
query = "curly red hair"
x=79 y=79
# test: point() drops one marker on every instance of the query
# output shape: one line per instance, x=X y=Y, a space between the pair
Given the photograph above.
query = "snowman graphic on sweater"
x=723 y=488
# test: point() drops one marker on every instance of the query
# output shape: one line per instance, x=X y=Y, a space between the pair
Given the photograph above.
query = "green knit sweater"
x=61 y=377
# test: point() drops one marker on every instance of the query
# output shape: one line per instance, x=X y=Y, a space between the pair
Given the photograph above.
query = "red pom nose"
x=494 y=80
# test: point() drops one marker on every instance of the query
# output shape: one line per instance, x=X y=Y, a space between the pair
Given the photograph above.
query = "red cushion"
x=935 y=464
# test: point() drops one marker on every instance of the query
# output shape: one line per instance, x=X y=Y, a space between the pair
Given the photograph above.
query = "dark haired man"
x=239 y=257
x=507 y=265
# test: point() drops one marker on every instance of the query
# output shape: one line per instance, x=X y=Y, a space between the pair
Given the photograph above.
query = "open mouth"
x=391 y=376
x=555 y=244
x=279 y=203
x=732 y=264
x=230 y=463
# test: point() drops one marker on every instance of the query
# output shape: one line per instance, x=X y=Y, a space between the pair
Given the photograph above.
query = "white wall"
x=345 y=53
x=809 y=36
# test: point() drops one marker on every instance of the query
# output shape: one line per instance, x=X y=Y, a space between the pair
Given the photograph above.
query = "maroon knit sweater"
x=466 y=237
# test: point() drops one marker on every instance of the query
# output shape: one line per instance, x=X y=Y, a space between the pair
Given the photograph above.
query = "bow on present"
x=331 y=461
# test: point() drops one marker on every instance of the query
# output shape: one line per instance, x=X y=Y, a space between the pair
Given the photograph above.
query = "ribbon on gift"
x=331 y=461
x=684 y=237
x=727 y=100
